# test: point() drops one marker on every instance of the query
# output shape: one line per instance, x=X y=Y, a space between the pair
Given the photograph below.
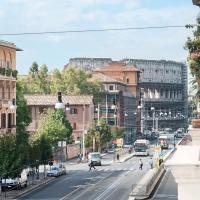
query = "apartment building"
x=8 y=75
x=116 y=105
x=80 y=113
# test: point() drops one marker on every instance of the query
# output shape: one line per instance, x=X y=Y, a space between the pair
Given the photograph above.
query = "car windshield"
x=54 y=168
x=96 y=156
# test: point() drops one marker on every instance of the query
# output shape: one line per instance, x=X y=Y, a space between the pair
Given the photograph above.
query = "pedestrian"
x=78 y=158
x=91 y=165
x=117 y=156
x=151 y=163
x=141 y=164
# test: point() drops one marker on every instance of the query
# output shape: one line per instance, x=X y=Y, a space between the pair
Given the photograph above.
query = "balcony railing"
x=162 y=99
x=164 y=118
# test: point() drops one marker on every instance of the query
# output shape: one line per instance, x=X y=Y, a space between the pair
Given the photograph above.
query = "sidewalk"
x=13 y=194
x=124 y=158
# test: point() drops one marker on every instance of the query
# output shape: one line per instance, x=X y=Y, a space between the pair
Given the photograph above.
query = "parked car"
x=95 y=157
x=17 y=182
x=62 y=168
x=54 y=170
x=30 y=171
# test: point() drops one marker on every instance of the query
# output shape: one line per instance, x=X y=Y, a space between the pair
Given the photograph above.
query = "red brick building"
x=80 y=114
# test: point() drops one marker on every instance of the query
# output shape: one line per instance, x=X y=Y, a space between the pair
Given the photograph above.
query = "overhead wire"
x=99 y=30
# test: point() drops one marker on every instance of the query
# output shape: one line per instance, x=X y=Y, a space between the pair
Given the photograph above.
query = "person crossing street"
x=91 y=165
x=141 y=164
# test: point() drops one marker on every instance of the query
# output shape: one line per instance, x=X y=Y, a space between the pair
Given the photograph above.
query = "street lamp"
x=67 y=107
x=153 y=110
x=13 y=105
x=59 y=104
x=126 y=135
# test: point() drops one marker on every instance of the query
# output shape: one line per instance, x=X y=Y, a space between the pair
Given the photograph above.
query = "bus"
x=141 y=147
x=163 y=141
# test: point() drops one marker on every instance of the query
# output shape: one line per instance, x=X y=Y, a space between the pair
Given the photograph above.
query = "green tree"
x=75 y=81
x=56 y=81
x=23 y=119
x=55 y=126
x=10 y=164
x=14 y=149
x=101 y=133
x=37 y=81
x=117 y=132
x=33 y=69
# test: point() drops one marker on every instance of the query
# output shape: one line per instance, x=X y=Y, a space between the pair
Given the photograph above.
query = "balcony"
x=164 y=118
x=146 y=99
x=5 y=103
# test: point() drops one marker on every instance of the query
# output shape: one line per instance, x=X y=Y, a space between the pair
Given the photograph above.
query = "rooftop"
x=9 y=44
x=51 y=100
x=105 y=79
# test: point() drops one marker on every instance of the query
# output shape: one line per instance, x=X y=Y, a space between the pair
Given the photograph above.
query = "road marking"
x=69 y=194
x=116 y=183
x=88 y=188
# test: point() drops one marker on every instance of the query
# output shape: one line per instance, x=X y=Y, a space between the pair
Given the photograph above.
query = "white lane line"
x=87 y=189
x=69 y=194
x=107 y=191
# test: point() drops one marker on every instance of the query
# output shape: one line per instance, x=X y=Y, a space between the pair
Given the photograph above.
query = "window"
x=73 y=111
x=111 y=87
x=3 y=120
x=74 y=126
x=127 y=80
x=9 y=120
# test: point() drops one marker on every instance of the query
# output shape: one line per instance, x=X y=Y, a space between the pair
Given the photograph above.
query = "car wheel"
x=25 y=184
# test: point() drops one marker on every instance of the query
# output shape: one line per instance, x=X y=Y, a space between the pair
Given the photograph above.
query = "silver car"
x=54 y=171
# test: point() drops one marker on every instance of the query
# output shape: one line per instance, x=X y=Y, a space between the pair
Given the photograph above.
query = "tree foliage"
x=37 y=80
x=73 y=81
x=55 y=127
x=101 y=133
x=14 y=149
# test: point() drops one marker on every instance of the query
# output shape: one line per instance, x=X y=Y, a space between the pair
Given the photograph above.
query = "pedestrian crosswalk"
x=110 y=169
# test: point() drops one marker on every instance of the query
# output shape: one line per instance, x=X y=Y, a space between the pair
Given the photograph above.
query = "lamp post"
x=114 y=107
x=153 y=110
x=14 y=108
x=61 y=105
x=127 y=136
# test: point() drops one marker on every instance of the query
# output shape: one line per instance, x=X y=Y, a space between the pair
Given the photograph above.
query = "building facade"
x=116 y=106
x=88 y=63
x=165 y=87
x=8 y=75
x=80 y=113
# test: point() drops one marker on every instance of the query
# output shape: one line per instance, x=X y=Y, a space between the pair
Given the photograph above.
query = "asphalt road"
x=109 y=181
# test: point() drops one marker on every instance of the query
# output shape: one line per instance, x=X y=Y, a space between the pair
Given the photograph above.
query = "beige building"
x=8 y=75
x=121 y=72
x=80 y=113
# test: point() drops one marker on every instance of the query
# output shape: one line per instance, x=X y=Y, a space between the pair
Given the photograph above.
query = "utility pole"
x=84 y=132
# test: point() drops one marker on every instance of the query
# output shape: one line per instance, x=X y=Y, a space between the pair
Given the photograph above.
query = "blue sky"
x=55 y=50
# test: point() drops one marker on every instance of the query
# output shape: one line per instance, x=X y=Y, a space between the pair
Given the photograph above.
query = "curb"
x=156 y=183
x=38 y=186
x=125 y=159
x=153 y=188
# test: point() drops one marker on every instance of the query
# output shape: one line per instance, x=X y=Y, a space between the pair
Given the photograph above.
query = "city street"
x=109 y=181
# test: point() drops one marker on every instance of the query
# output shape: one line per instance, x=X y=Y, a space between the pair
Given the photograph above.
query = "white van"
x=95 y=157
x=17 y=182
